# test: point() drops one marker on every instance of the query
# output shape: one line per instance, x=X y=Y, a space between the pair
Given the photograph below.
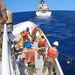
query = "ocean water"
x=61 y=27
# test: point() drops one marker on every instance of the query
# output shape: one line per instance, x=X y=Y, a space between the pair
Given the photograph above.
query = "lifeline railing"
x=5 y=54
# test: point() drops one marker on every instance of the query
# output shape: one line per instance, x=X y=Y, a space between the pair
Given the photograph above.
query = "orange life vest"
x=52 y=52
x=42 y=43
x=35 y=30
x=25 y=33
x=32 y=56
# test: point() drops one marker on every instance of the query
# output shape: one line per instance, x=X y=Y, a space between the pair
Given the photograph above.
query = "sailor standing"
x=42 y=43
x=49 y=60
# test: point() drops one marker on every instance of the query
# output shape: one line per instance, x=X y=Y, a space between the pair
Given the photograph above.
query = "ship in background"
x=43 y=10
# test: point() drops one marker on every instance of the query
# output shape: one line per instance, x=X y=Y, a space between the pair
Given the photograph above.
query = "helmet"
x=42 y=34
x=28 y=45
x=56 y=43
x=27 y=28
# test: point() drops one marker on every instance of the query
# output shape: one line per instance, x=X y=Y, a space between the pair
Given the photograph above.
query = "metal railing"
x=5 y=57
x=7 y=68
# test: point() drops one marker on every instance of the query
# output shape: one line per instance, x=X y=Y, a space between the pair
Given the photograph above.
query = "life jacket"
x=32 y=56
x=25 y=33
x=35 y=30
x=42 y=42
x=52 y=52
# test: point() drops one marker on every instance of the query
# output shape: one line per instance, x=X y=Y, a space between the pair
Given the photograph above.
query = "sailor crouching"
x=9 y=21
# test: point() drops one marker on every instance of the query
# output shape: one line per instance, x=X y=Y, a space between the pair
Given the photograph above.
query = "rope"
x=67 y=56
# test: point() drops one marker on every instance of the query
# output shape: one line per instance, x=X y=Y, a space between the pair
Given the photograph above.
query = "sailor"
x=34 y=31
x=29 y=53
x=42 y=43
x=21 y=39
x=19 y=43
x=25 y=35
x=9 y=21
x=3 y=19
x=51 y=55
x=30 y=59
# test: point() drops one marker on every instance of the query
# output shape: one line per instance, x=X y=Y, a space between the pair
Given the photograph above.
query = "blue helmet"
x=28 y=45
x=27 y=28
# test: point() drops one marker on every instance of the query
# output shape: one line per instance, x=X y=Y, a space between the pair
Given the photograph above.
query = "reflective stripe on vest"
x=52 y=52
x=42 y=42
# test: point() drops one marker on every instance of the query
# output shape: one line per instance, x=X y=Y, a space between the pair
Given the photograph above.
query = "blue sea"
x=61 y=27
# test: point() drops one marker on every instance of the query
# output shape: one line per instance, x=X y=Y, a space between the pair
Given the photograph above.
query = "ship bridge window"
x=40 y=7
x=43 y=11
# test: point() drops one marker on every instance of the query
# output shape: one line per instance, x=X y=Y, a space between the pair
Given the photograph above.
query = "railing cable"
x=69 y=60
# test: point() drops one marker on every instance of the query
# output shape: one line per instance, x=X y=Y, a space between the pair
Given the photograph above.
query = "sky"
x=31 y=5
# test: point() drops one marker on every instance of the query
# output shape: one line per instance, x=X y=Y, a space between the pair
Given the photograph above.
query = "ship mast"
x=42 y=1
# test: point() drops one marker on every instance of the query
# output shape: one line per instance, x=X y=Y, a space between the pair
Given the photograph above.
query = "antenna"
x=42 y=1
